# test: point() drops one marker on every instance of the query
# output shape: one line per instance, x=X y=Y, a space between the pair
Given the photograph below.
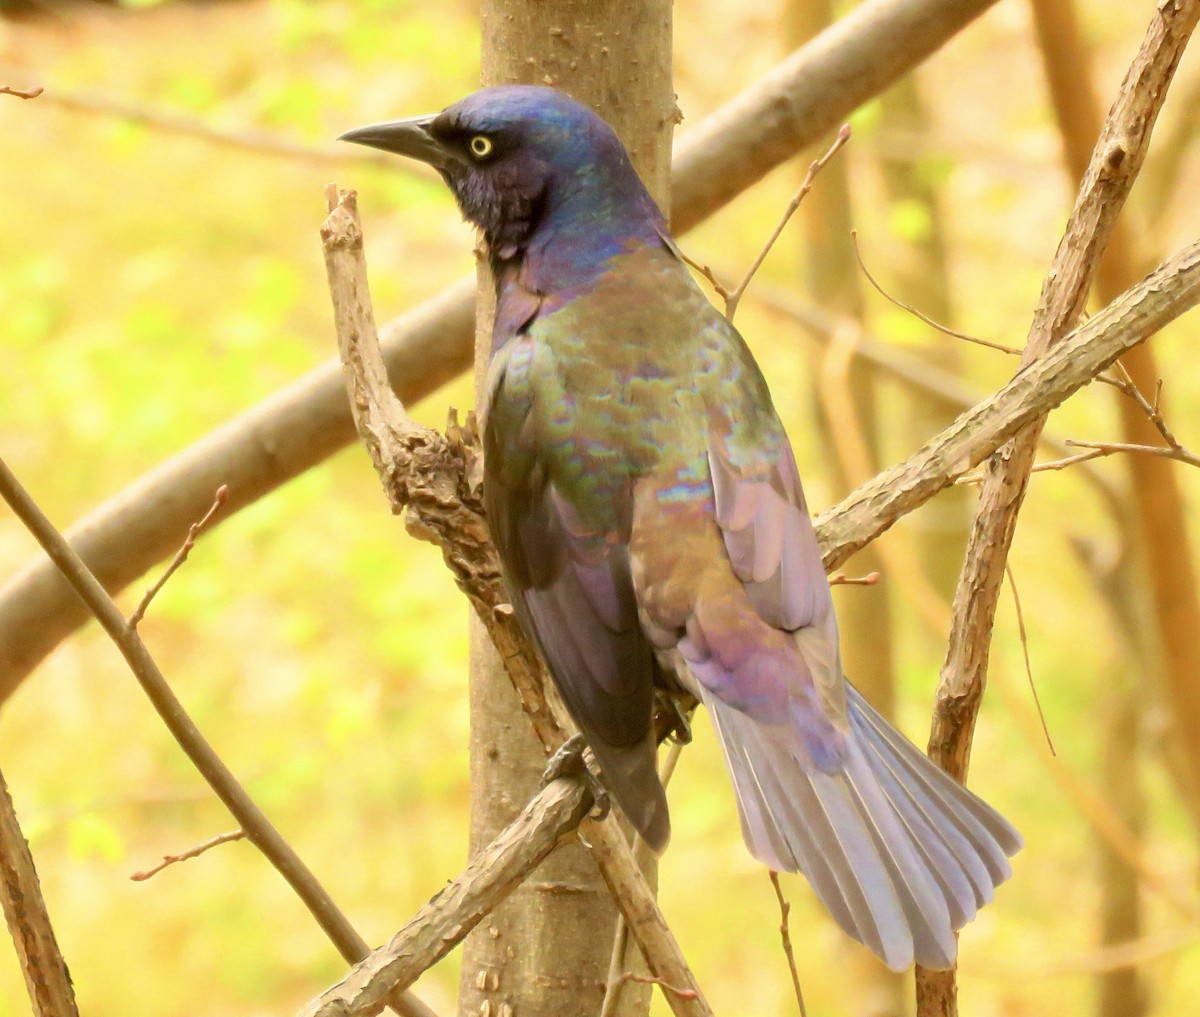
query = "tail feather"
x=631 y=776
x=844 y=873
x=980 y=852
x=900 y=853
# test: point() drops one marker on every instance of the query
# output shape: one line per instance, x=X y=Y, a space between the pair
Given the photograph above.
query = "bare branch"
x=731 y=301
x=181 y=555
x=1099 y=449
x=250 y=140
x=1161 y=297
x=259 y=830
x=785 y=910
x=193 y=852
x=921 y=315
x=46 y=976
x=1037 y=701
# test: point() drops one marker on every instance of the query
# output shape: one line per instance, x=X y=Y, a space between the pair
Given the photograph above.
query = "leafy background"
x=154 y=284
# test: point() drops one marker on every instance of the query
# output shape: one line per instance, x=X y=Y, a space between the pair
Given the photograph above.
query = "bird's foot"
x=568 y=761
x=681 y=733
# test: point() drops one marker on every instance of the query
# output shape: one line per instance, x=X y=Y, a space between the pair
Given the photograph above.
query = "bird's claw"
x=681 y=733
x=568 y=761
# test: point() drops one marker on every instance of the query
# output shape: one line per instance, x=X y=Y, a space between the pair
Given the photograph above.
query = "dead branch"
x=442 y=923
x=732 y=298
x=42 y=964
x=300 y=426
x=181 y=555
x=1099 y=449
x=435 y=481
x=1115 y=162
x=1161 y=297
x=259 y=830
x=193 y=852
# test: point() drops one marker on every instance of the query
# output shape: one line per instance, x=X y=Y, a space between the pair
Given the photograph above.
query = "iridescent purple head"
x=520 y=158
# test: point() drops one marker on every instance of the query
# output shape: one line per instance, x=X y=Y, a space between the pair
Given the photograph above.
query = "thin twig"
x=1152 y=410
x=1108 y=448
x=946 y=329
x=731 y=301
x=841 y=579
x=1012 y=585
x=785 y=910
x=667 y=987
x=22 y=93
x=219 y=499
x=708 y=274
x=249 y=816
x=1053 y=464
x=193 y=852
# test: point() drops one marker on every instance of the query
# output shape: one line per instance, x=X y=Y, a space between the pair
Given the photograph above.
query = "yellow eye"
x=481 y=146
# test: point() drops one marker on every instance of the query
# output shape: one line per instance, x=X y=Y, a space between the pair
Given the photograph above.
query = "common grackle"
x=648 y=512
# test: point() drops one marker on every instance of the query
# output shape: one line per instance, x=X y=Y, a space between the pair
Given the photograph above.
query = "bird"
x=653 y=533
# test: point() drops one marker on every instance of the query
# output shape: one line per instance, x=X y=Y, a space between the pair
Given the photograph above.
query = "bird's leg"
x=569 y=761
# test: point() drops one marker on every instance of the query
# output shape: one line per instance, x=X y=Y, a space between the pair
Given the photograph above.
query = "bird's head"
x=520 y=158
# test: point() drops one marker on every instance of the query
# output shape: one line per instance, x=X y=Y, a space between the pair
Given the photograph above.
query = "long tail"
x=899 y=852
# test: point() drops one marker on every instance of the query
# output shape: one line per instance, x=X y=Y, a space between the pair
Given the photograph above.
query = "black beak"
x=410 y=138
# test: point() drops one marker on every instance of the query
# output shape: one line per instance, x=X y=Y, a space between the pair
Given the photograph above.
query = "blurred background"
x=160 y=271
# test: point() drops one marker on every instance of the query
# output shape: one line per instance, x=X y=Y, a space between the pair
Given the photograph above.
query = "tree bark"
x=46 y=977
x=546 y=949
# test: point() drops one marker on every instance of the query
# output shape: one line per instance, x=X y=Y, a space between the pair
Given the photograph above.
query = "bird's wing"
x=569 y=577
x=767 y=532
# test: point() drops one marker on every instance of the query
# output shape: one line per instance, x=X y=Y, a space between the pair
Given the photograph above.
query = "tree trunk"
x=546 y=950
